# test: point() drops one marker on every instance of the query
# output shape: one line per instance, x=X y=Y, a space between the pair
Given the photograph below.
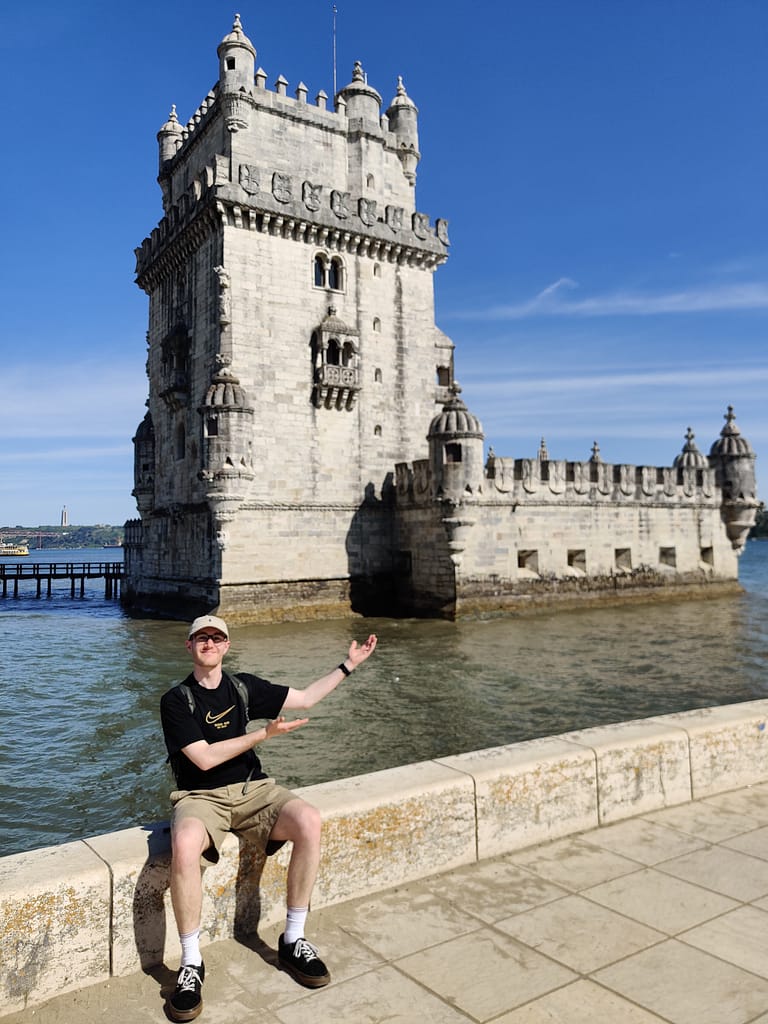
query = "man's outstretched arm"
x=315 y=692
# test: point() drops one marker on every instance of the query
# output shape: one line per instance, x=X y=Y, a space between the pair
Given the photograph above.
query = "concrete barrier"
x=81 y=912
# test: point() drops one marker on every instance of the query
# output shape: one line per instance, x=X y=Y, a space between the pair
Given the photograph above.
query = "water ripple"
x=81 y=749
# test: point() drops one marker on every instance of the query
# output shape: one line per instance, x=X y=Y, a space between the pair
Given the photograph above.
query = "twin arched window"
x=329 y=272
x=338 y=354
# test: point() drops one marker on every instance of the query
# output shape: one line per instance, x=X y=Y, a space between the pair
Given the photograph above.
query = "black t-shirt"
x=218 y=715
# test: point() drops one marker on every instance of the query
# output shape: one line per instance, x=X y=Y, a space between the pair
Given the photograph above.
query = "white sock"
x=295 y=920
x=190 y=949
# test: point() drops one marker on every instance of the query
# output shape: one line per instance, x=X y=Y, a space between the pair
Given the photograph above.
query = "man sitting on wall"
x=221 y=788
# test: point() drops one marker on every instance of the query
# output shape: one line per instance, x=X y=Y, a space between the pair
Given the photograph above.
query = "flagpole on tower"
x=334 y=54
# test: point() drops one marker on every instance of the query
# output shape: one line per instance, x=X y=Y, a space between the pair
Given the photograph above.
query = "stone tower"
x=733 y=460
x=293 y=357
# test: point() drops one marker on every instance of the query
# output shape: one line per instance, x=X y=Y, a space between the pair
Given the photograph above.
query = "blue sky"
x=602 y=165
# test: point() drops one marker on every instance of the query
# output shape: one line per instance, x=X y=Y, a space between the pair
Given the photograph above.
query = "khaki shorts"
x=250 y=810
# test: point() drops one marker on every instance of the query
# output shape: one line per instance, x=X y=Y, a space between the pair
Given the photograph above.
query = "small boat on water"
x=13 y=549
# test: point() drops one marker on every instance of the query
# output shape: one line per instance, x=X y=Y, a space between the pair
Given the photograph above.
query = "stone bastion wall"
x=78 y=913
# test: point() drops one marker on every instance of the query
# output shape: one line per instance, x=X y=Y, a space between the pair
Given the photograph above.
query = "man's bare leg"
x=300 y=822
x=188 y=839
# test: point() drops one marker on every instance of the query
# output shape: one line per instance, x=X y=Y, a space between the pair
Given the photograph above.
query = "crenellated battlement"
x=557 y=481
x=277 y=100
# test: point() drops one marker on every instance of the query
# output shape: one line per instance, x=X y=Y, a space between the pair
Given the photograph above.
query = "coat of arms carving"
x=421 y=225
x=249 y=179
x=394 y=217
x=282 y=187
x=340 y=203
x=366 y=209
x=311 y=195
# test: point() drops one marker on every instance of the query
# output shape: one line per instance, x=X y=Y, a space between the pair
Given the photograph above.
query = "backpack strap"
x=186 y=692
x=238 y=684
x=242 y=690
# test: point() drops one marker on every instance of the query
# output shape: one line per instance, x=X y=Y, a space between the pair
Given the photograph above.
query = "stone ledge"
x=81 y=912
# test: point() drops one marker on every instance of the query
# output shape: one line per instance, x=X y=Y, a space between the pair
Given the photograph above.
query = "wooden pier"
x=76 y=573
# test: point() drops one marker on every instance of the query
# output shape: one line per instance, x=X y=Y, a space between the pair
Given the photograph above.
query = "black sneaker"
x=187 y=999
x=301 y=960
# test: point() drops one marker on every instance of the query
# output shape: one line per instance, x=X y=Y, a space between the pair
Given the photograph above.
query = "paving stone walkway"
x=661 y=918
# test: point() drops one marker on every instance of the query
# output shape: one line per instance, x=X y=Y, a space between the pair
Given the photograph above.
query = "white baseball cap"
x=212 y=622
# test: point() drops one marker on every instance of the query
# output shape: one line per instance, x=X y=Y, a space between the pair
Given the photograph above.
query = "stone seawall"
x=78 y=913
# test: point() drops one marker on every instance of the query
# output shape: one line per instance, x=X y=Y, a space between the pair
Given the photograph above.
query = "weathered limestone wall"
x=528 y=531
x=67 y=913
x=259 y=186
x=427 y=580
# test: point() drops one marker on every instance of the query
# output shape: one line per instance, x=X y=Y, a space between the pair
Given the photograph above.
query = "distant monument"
x=305 y=451
x=64 y=517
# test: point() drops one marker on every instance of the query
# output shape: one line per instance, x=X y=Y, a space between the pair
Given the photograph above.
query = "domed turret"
x=690 y=457
x=226 y=427
x=227 y=448
x=144 y=466
x=237 y=63
x=403 y=118
x=224 y=393
x=456 y=449
x=237 y=60
x=733 y=460
x=169 y=137
x=362 y=101
x=731 y=443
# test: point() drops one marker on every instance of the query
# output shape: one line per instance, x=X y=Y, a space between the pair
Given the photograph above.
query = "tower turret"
x=144 y=466
x=456 y=449
x=690 y=457
x=169 y=138
x=403 y=117
x=237 y=64
x=733 y=460
x=227 y=451
x=362 y=101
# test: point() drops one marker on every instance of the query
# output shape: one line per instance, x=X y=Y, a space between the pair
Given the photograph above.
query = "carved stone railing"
x=336 y=386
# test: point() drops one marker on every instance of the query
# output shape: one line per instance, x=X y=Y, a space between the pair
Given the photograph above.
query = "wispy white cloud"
x=541 y=381
x=75 y=453
x=88 y=399
x=554 y=300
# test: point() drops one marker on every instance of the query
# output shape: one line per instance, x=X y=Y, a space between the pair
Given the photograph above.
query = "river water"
x=81 y=750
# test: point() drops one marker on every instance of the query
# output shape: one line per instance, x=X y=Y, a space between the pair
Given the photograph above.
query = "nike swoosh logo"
x=212 y=719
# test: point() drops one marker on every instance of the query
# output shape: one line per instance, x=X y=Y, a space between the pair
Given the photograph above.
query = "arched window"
x=348 y=354
x=377 y=430
x=335 y=275
x=328 y=273
x=377 y=324
x=377 y=270
x=370 y=181
x=333 y=355
x=377 y=375
x=320 y=267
